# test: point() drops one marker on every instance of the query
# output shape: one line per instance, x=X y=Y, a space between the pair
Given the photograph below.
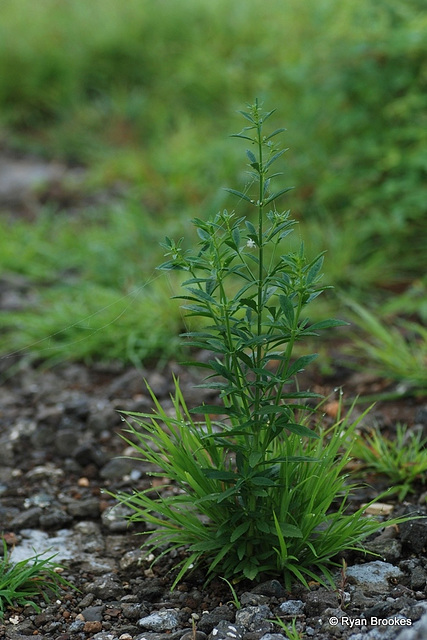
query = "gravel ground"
x=60 y=450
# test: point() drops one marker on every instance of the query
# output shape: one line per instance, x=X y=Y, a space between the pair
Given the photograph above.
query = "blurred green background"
x=143 y=95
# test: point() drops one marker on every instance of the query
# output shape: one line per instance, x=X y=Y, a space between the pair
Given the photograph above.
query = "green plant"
x=291 y=631
x=23 y=581
x=235 y=599
x=403 y=459
x=398 y=352
x=260 y=488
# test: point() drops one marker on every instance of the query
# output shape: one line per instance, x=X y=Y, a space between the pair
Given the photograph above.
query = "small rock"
x=131 y=559
x=116 y=468
x=273 y=636
x=88 y=453
x=88 y=507
x=93 y=614
x=414 y=534
x=292 y=607
x=115 y=519
x=54 y=518
x=255 y=599
x=106 y=587
x=254 y=618
x=373 y=577
x=210 y=620
x=418 y=578
x=65 y=441
x=27 y=519
x=92 y=626
x=76 y=626
x=102 y=416
x=389 y=550
x=225 y=630
x=86 y=601
x=163 y=620
x=317 y=601
x=133 y=611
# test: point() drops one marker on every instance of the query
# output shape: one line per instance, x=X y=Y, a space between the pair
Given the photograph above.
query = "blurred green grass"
x=145 y=95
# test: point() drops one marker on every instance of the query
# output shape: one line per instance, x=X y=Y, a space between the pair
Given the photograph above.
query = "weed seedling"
x=403 y=459
x=22 y=581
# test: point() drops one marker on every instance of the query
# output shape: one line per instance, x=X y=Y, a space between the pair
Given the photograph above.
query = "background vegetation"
x=144 y=96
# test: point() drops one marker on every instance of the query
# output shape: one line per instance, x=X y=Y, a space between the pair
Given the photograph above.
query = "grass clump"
x=22 y=582
x=262 y=489
x=402 y=459
x=398 y=352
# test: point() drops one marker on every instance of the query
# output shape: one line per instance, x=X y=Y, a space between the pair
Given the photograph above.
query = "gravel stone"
x=54 y=518
x=26 y=519
x=93 y=614
x=160 y=621
x=254 y=618
x=88 y=507
x=373 y=577
x=106 y=587
x=116 y=468
x=292 y=607
x=210 y=620
x=225 y=630
x=414 y=534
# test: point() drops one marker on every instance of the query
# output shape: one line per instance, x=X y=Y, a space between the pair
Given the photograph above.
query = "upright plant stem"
x=260 y=272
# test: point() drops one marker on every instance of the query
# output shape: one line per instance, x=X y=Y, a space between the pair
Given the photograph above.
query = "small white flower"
x=251 y=244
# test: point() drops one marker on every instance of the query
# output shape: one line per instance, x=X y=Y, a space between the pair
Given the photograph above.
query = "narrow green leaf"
x=213 y=409
x=273 y=408
x=251 y=156
x=277 y=131
x=300 y=364
x=299 y=429
x=240 y=530
x=287 y=308
x=241 y=135
x=239 y=194
x=275 y=157
x=277 y=194
x=250 y=227
x=247 y=115
x=327 y=324
x=262 y=481
x=236 y=237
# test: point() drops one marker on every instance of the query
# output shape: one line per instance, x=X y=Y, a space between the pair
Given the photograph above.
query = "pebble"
x=93 y=614
x=88 y=507
x=92 y=626
x=163 y=620
x=225 y=630
x=414 y=534
x=107 y=587
x=26 y=519
x=255 y=618
x=373 y=577
x=292 y=607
